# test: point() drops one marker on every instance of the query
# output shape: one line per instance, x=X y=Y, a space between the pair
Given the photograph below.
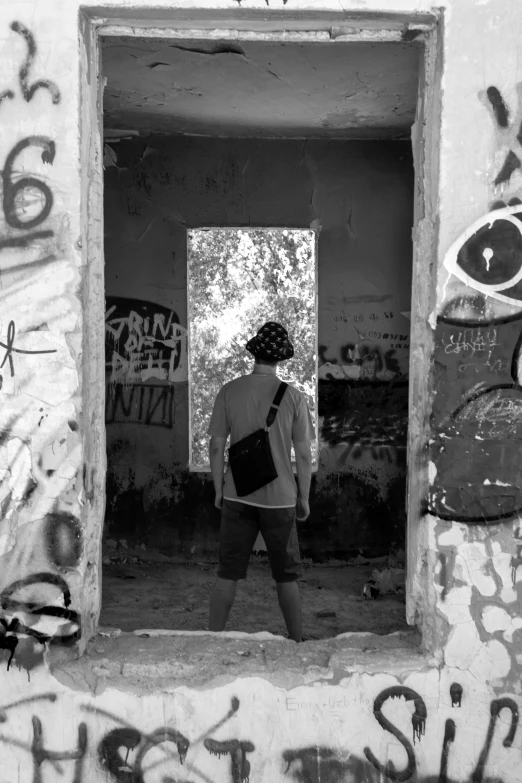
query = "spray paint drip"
x=488 y=255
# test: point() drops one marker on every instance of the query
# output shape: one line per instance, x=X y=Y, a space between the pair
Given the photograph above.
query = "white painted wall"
x=318 y=733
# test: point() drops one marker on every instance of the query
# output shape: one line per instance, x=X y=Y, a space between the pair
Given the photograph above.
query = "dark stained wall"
x=359 y=195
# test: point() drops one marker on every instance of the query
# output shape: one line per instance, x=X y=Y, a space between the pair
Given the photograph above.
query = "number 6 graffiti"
x=11 y=189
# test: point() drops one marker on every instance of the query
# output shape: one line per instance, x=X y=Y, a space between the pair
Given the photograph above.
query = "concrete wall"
x=466 y=565
x=359 y=196
x=142 y=709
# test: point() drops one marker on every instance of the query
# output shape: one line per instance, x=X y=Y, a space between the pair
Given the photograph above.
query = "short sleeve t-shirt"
x=241 y=407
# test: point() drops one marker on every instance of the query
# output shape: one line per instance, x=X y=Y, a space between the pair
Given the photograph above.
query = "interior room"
x=311 y=137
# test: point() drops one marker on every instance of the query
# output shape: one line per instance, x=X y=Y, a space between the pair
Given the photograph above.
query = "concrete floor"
x=141 y=595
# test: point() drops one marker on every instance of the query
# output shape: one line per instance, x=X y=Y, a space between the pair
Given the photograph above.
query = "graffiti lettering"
x=449 y=738
x=496 y=708
x=127 y=754
x=418 y=720
x=28 y=89
x=41 y=754
x=365 y=420
x=473 y=341
x=359 y=318
x=314 y=764
x=237 y=750
x=364 y=360
x=143 y=341
x=127 y=738
x=9 y=349
x=378 y=450
x=140 y=404
x=158 y=737
x=12 y=190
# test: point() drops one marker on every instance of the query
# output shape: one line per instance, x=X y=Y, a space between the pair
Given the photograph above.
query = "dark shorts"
x=240 y=524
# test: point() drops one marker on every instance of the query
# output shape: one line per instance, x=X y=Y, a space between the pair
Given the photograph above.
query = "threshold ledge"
x=166 y=659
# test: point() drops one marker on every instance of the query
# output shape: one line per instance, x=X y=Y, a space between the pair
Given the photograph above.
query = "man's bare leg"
x=221 y=602
x=290 y=604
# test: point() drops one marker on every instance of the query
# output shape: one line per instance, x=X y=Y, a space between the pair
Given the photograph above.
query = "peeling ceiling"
x=258 y=89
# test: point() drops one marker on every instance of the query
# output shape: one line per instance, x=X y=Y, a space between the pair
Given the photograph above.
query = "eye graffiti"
x=488 y=256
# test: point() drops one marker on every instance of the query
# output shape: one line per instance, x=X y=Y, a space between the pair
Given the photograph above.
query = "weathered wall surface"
x=467 y=568
x=140 y=721
x=475 y=448
x=41 y=452
x=157 y=189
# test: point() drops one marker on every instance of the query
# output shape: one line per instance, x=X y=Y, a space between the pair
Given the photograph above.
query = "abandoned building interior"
x=257 y=135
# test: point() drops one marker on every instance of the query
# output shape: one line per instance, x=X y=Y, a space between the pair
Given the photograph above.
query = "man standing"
x=241 y=408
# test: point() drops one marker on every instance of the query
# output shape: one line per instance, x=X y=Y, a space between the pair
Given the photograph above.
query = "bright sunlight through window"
x=237 y=280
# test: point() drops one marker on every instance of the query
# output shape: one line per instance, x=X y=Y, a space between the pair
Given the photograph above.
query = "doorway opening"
x=258 y=135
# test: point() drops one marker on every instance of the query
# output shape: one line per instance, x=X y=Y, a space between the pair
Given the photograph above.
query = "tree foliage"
x=238 y=280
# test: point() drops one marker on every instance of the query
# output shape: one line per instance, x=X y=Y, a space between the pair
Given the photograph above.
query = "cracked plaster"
x=212 y=89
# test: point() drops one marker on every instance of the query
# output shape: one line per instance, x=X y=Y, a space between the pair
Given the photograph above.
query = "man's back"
x=241 y=407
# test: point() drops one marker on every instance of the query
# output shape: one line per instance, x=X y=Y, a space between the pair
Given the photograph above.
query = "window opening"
x=238 y=279
x=160 y=526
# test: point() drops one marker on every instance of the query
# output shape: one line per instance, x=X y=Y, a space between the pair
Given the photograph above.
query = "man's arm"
x=303 y=461
x=217 y=466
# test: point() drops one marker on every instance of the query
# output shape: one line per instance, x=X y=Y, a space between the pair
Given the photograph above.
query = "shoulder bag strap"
x=272 y=413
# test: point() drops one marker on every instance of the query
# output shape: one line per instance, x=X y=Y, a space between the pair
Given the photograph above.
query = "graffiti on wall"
x=362 y=361
x=106 y=746
x=27 y=625
x=27 y=201
x=487 y=257
x=143 y=342
x=142 y=403
x=9 y=348
x=28 y=88
x=477 y=410
x=367 y=422
x=128 y=738
x=510 y=137
x=358 y=421
x=40 y=452
x=379 y=351
x=478 y=403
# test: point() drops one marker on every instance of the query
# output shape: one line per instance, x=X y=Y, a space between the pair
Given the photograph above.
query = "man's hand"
x=303 y=462
x=303 y=509
x=217 y=463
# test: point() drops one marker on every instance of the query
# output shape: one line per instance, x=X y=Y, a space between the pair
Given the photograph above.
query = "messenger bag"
x=250 y=459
